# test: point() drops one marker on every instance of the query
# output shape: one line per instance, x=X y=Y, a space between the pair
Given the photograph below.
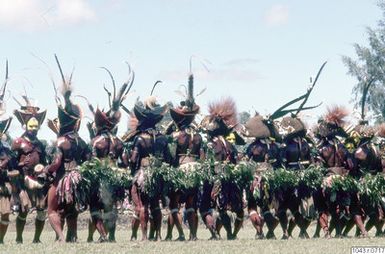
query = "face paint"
x=231 y=138
x=350 y=147
x=32 y=126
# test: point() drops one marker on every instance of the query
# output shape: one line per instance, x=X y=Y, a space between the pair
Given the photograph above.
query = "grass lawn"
x=244 y=244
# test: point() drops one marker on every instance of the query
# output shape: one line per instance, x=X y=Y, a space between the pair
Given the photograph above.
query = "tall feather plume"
x=3 y=89
x=225 y=109
x=153 y=87
x=190 y=92
x=5 y=82
x=66 y=89
x=336 y=115
x=118 y=99
x=365 y=93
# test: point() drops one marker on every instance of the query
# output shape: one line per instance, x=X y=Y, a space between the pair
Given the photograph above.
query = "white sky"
x=262 y=53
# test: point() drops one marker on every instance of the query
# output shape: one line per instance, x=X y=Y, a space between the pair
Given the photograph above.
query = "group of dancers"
x=48 y=179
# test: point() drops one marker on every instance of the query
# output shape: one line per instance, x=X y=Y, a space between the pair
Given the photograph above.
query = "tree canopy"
x=369 y=69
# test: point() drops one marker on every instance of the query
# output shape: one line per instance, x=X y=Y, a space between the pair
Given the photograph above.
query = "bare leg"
x=53 y=216
x=157 y=218
x=20 y=223
x=257 y=222
x=283 y=221
x=176 y=218
x=4 y=221
x=192 y=217
x=226 y=222
x=135 y=226
x=209 y=222
x=96 y=223
x=238 y=223
x=91 y=229
x=360 y=224
x=271 y=223
x=170 y=226
x=110 y=222
x=39 y=225
x=72 y=220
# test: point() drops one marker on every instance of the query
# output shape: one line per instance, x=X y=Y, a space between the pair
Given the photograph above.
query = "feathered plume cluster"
x=336 y=115
x=225 y=109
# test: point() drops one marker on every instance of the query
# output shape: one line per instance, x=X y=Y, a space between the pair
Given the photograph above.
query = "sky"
x=261 y=53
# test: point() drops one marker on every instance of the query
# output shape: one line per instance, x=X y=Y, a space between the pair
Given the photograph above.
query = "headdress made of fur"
x=260 y=127
x=222 y=117
x=291 y=127
x=333 y=122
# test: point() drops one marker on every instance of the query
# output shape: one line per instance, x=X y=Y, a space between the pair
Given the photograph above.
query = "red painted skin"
x=187 y=141
x=5 y=165
x=104 y=145
x=146 y=143
x=29 y=152
x=71 y=151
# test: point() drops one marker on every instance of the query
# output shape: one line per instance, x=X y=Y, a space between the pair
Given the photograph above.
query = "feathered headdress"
x=28 y=111
x=291 y=126
x=69 y=114
x=261 y=127
x=184 y=114
x=222 y=117
x=333 y=122
x=336 y=115
x=149 y=113
x=107 y=120
x=282 y=111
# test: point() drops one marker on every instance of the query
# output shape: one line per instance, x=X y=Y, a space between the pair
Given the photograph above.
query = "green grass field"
x=244 y=244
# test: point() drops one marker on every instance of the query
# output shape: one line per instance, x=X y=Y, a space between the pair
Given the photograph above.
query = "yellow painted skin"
x=33 y=124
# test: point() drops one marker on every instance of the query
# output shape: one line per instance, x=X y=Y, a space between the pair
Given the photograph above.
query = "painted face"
x=231 y=138
x=32 y=126
x=350 y=147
